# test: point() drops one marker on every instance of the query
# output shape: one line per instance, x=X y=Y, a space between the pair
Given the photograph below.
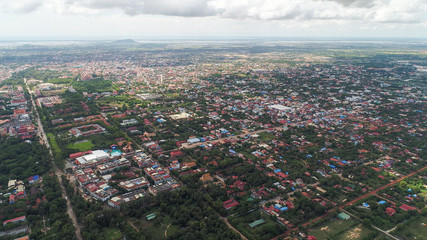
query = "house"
x=406 y=208
x=12 y=199
x=189 y=164
x=239 y=184
x=390 y=211
x=229 y=204
x=176 y=153
x=206 y=177
x=33 y=179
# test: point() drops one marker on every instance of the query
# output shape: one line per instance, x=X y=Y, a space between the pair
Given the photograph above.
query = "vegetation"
x=20 y=160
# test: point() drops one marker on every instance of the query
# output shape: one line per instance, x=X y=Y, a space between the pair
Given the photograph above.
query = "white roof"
x=280 y=107
x=97 y=154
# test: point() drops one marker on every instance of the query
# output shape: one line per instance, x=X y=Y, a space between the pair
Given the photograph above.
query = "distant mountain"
x=124 y=41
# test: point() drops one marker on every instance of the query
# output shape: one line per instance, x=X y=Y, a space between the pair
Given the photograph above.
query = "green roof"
x=151 y=216
x=343 y=216
x=256 y=223
x=249 y=199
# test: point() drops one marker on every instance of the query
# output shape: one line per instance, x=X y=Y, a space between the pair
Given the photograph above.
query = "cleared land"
x=332 y=228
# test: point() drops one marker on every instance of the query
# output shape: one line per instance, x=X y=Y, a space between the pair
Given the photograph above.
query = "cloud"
x=377 y=11
x=356 y=3
x=184 y=8
x=21 y=6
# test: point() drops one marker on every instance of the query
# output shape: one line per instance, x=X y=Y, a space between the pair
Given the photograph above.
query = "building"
x=101 y=191
x=117 y=201
x=206 y=177
x=105 y=168
x=164 y=187
x=15 y=220
x=179 y=116
x=134 y=184
x=343 y=216
x=256 y=223
x=33 y=179
x=92 y=159
x=87 y=130
x=229 y=204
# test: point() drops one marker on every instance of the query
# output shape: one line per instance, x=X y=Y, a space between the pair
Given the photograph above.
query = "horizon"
x=212 y=38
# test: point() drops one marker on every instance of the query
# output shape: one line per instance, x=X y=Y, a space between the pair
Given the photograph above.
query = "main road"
x=43 y=140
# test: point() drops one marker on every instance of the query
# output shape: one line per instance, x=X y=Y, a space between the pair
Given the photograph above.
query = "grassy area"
x=81 y=146
x=112 y=234
x=333 y=228
x=53 y=92
x=415 y=228
x=153 y=229
x=266 y=136
x=54 y=145
x=267 y=230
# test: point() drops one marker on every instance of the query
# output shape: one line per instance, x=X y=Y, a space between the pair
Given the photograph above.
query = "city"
x=220 y=141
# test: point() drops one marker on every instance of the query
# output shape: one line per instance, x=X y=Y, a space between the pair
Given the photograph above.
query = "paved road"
x=43 y=140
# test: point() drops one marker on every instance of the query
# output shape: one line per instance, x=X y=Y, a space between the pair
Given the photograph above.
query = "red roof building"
x=229 y=204
x=14 y=220
x=406 y=208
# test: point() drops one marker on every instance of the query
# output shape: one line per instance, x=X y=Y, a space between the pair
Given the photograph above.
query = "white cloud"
x=398 y=11
x=214 y=17
x=21 y=6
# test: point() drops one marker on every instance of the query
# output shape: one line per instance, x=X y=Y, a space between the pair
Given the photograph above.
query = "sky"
x=141 y=19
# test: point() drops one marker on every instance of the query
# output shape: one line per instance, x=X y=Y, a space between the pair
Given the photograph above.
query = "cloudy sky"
x=115 y=19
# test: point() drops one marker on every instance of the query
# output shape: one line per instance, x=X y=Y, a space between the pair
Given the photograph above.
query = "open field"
x=332 y=228
x=113 y=234
x=81 y=146
x=413 y=229
x=356 y=232
x=156 y=230
x=267 y=230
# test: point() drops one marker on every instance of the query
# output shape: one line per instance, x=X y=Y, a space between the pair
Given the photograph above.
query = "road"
x=43 y=140
x=374 y=192
x=231 y=227
x=383 y=187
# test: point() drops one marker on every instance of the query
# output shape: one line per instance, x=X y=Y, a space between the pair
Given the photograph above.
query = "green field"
x=81 y=146
x=415 y=228
x=112 y=234
x=266 y=136
x=54 y=145
x=332 y=228
x=267 y=230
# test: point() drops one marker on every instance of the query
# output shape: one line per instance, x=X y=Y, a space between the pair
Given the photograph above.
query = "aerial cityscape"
x=214 y=134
